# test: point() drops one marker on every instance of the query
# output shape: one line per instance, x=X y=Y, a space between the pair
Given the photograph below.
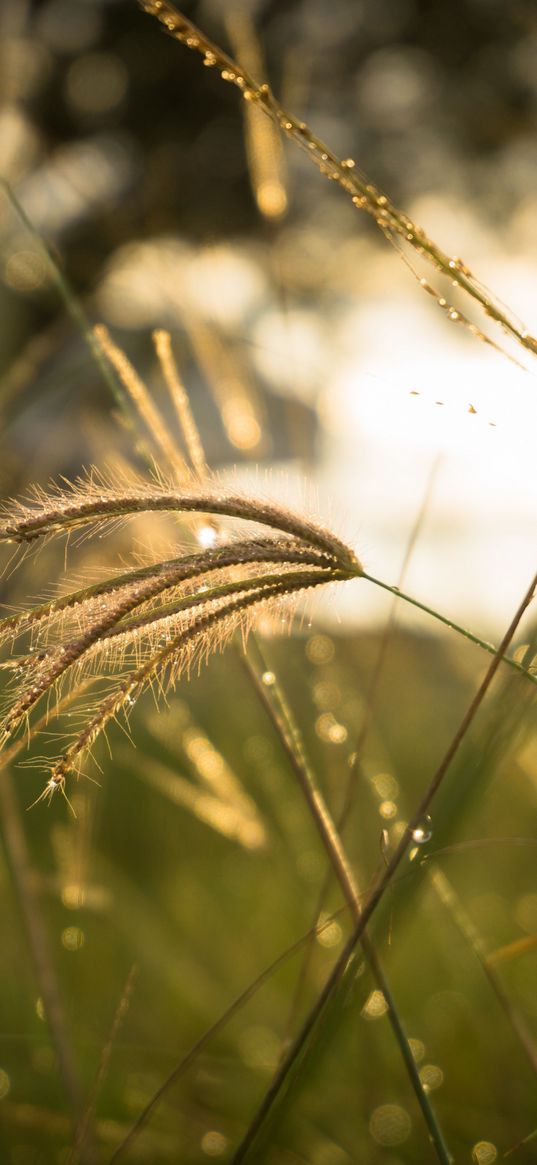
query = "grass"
x=275 y=943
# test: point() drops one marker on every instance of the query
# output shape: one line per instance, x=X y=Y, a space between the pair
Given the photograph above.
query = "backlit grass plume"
x=397 y=227
x=145 y=626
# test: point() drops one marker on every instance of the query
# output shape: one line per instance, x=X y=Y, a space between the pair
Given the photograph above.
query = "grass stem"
x=317 y=1011
x=279 y=712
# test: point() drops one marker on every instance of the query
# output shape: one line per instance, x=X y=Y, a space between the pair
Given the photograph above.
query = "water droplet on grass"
x=423 y=832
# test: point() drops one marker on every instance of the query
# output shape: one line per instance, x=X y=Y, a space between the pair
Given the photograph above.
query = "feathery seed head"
x=148 y=625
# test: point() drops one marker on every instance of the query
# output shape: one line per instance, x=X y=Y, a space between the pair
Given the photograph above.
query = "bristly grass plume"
x=94 y=649
x=397 y=227
x=147 y=625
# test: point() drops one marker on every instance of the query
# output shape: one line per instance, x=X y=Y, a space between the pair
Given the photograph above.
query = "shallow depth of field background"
x=319 y=373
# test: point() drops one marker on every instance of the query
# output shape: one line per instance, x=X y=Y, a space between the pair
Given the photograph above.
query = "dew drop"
x=268 y=679
x=423 y=832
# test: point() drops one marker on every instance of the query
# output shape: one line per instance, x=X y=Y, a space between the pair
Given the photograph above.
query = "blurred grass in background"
x=194 y=861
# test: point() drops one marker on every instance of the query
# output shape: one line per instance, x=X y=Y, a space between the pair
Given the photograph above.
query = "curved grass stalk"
x=122 y=611
x=179 y=398
x=195 y=565
x=177 y=654
x=155 y=619
x=87 y=502
x=147 y=411
x=54 y=664
x=396 y=226
x=149 y=612
x=316 y=1013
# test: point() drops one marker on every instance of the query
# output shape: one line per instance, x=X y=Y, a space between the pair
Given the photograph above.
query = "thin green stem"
x=483 y=643
x=215 y=1028
x=84 y=1124
x=28 y=889
x=71 y=301
x=465 y=925
x=279 y=712
x=356 y=769
x=319 y=1008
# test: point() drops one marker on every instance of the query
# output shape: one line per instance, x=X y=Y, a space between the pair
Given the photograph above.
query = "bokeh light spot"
x=375 y=1006
x=484 y=1153
x=320 y=649
x=73 y=938
x=329 y=933
x=96 y=84
x=431 y=1077
x=214 y=1144
x=390 y=1124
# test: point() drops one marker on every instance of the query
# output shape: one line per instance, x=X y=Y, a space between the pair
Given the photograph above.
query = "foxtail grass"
x=395 y=225
x=147 y=626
